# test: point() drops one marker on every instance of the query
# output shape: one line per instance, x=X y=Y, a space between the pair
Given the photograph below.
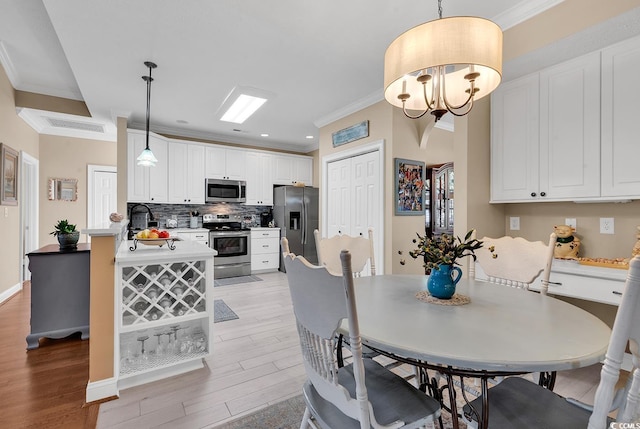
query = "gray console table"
x=59 y=293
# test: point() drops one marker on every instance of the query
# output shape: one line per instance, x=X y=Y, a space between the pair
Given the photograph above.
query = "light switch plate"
x=514 y=223
x=6 y=212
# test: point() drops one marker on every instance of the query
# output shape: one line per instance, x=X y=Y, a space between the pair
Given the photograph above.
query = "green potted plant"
x=440 y=256
x=67 y=235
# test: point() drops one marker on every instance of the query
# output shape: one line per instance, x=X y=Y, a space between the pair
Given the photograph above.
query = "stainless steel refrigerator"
x=295 y=212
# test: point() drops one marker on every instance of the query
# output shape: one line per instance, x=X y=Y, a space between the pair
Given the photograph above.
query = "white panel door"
x=105 y=201
x=354 y=204
x=338 y=204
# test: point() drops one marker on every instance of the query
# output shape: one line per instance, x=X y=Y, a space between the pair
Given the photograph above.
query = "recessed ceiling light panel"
x=241 y=103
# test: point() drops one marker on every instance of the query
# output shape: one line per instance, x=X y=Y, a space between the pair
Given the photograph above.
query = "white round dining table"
x=502 y=330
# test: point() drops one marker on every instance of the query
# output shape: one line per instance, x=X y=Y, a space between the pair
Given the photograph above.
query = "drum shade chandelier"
x=443 y=66
x=146 y=158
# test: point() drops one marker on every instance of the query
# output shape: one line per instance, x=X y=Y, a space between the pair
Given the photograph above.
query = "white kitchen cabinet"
x=146 y=184
x=265 y=249
x=620 y=113
x=570 y=129
x=164 y=316
x=224 y=163
x=289 y=170
x=515 y=124
x=545 y=143
x=260 y=178
x=186 y=173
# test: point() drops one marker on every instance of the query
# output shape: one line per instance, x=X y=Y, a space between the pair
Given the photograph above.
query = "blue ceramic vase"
x=442 y=282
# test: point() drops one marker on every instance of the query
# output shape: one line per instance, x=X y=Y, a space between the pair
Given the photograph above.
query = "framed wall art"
x=409 y=187
x=9 y=176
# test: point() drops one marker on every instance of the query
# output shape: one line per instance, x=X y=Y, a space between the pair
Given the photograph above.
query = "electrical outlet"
x=514 y=223
x=606 y=225
x=571 y=221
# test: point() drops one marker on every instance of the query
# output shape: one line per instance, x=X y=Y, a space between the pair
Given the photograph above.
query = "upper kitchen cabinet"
x=515 y=125
x=260 y=178
x=186 y=173
x=620 y=113
x=146 y=184
x=570 y=129
x=290 y=170
x=545 y=142
x=223 y=163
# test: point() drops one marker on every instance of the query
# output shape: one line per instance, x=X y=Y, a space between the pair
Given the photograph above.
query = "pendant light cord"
x=148 y=79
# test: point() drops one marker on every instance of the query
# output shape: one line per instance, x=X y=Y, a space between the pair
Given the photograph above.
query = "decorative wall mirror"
x=63 y=189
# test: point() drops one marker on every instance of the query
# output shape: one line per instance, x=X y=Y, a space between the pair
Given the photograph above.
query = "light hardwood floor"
x=256 y=362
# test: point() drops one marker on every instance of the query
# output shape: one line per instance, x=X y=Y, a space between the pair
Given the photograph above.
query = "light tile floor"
x=256 y=362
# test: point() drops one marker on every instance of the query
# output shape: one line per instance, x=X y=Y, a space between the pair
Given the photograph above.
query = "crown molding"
x=523 y=11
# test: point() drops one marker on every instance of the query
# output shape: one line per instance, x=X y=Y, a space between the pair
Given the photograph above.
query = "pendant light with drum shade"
x=443 y=66
x=146 y=158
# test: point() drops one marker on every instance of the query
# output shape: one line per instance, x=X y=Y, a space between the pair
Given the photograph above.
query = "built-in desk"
x=59 y=293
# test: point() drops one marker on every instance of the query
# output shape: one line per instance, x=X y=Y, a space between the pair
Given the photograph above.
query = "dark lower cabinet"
x=59 y=293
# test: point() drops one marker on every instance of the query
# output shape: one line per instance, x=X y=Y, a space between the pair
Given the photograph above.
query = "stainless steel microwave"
x=230 y=191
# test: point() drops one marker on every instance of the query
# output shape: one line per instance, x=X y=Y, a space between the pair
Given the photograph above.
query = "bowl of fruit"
x=153 y=237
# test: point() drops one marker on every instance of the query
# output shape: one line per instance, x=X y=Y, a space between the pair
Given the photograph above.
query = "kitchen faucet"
x=130 y=227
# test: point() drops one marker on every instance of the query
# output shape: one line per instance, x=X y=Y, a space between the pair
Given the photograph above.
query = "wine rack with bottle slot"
x=165 y=320
x=162 y=291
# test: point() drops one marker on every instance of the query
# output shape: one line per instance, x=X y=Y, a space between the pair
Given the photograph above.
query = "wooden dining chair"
x=362 y=394
x=515 y=261
x=361 y=250
x=518 y=403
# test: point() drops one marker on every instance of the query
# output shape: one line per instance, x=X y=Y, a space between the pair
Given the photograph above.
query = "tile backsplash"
x=162 y=212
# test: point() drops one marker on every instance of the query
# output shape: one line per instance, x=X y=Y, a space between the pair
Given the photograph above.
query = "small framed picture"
x=9 y=174
x=409 y=187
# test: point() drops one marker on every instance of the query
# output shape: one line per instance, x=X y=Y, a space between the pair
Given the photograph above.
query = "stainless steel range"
x=232 y=242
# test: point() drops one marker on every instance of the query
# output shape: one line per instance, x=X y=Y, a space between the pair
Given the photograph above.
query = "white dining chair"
x=362 y=394
x=518 y=403
x=361 y=249
x=363 y=263
x=515 y=262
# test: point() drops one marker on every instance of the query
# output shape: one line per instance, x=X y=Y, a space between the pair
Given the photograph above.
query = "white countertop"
x=109 y=228
x=573 y=267
x=262 y=228
x=143 y=253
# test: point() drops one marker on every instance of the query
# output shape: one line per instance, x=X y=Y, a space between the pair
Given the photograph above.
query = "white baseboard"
x=10 y=292
x=97 y=390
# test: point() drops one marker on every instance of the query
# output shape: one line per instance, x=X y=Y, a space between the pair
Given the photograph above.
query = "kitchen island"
x=164 y=310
